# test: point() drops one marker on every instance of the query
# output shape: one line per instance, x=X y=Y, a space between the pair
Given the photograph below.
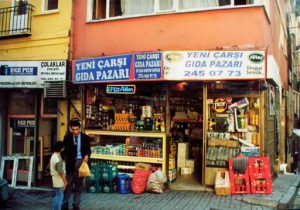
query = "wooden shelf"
x=127 y=158
x=161 y=135
x=125 y=133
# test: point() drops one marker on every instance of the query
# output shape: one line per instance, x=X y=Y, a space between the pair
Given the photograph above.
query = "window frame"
x=157 y=11
x=44 y=5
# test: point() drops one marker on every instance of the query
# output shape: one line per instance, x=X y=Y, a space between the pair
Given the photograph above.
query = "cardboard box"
x=183 y=146
x=182 y=157
x=180 y=163
x=190 y=164
x=143 y=166
x=183 y=149
x=222 y=183
x=186 y=170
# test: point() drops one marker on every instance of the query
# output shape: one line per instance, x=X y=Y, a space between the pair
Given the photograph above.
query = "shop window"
x=143 y=110
x=50 y=5
x=22 y=102
x=48 y=107
x=233 y=122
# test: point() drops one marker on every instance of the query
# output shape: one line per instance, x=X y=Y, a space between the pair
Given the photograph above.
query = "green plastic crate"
x=92 y=186
x=108 y=172
x=95 y=173
x=108 y=186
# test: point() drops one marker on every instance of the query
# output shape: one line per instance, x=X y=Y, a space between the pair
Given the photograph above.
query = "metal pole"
x=36 y=136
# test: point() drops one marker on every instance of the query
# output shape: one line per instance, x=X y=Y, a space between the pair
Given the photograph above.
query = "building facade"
x=34 y=50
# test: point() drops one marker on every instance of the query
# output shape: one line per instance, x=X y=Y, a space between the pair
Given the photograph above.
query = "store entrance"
x=21 y=143
x=186 y=131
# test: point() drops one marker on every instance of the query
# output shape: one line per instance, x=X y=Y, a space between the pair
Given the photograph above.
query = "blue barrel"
x=123 y=183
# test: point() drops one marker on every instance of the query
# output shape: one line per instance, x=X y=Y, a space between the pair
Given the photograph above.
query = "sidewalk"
x=284 y=191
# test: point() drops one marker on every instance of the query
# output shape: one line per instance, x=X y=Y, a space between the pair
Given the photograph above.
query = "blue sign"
x=22 y=123
x=22 y=71
x=5 y=70
x=113 y=68
x=120 y=89
x=147 y=66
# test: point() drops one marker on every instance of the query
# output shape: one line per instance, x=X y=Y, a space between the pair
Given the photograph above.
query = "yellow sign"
x=220 y=105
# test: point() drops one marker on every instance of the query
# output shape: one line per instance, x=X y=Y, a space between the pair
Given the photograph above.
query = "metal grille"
x=16 y=20
x=55 y=89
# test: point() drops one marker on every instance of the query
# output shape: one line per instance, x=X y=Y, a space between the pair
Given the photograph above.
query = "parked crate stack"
x=239 y=182
x=260 y=175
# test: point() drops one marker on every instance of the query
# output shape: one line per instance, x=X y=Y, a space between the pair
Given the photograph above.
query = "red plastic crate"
x=260 y=175
x=259 y=167
x=261 y=186
x=239 y=183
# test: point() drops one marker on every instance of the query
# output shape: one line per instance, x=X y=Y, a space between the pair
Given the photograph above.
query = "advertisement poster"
x=214 y=65
x=147 y=66
x=112 y=68
x=30 y=74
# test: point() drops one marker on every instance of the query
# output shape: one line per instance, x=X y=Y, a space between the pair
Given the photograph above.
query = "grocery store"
x=186 y=113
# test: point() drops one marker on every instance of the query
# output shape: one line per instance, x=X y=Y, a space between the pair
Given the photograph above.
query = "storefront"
x=31 y=119
x=187 y=112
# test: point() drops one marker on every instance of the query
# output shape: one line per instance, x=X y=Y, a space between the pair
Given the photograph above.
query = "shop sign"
x=120 y=89
x=220 y=105
x=22 y=123
x=30 y=74
x=214 y=65
x=147 y=66
x=113 y=68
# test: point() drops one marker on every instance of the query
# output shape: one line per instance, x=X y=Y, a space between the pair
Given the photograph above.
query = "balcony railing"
x=16 y=21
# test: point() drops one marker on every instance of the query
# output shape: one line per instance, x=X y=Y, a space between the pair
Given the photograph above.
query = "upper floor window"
x=106 y=9
x=50 y=5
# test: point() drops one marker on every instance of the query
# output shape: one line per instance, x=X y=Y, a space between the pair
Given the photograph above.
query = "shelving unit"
x=127 y=158
x=161 y=161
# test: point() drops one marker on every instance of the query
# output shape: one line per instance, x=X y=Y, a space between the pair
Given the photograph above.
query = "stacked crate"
x=102 y=179
x=108 y=175
x=260 y=175
x=92 y=182
x=239 y=182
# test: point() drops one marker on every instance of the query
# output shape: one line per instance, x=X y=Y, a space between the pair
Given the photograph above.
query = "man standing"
x=77 y=149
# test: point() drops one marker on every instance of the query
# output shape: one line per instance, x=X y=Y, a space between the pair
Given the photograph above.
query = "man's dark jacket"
x=70 y=151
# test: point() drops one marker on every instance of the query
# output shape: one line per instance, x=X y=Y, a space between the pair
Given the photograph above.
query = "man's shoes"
x=76 y=208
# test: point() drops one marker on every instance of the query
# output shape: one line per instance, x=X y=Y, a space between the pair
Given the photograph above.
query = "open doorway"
x=185 y=156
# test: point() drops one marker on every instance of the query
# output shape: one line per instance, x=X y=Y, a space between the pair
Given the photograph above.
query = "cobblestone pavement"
x=284 y=193
x=35 y=200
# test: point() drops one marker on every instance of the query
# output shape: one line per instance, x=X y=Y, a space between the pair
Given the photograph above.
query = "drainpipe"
x=36 y=135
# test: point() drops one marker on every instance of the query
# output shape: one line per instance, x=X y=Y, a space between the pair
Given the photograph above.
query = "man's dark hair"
x=58 y=146
x=74 y=122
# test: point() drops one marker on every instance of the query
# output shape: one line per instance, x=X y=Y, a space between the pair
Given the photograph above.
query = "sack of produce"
x=139 y=181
